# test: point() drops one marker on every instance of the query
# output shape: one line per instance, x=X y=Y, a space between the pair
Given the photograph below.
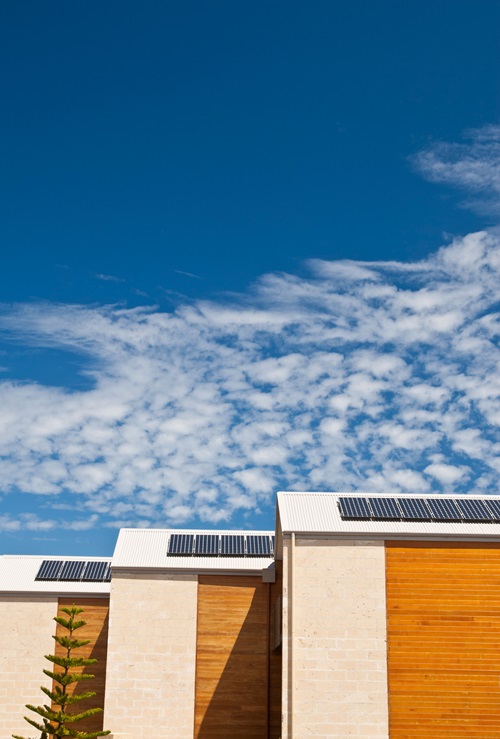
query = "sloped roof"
x=318 y=513
x=147 y=549
x=18 y=573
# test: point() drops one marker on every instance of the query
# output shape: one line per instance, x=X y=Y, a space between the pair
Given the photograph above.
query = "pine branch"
x=74 y=717
x=56 y=696
x=70 y=661
x=76 y=697
x=73 y=611
x=34 y=723
x=68 y=643
x=43 y=711
x=69 y=624
x=64 y=699
x=66 y=679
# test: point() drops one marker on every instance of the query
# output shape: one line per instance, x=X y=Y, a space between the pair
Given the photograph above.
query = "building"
x=359 y=616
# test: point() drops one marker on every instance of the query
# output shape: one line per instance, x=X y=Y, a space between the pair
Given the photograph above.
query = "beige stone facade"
x=150 y=684
x=326 y=665
x=25 y=637
x=334 y=639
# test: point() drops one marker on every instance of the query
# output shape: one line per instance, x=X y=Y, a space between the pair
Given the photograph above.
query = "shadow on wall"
x=232 y=673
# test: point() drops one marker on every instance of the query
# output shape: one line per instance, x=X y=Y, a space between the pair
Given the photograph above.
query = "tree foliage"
x=58 y=724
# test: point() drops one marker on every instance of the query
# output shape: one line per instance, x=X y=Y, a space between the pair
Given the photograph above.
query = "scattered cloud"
x=376 y=377
x=473 y=166
x=188 y=274
x=32 y=522
x=447 y=474
x=380 y=376
x=109 y=278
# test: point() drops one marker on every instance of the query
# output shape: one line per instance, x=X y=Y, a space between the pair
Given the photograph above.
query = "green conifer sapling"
x=59 y=723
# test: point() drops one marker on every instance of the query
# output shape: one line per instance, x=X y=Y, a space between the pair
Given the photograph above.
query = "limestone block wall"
x=285 y=642
x=150 y=681
x=338 y=644
x=26 y=629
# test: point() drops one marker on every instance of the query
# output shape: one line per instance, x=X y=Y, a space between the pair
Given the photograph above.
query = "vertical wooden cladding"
x=232 y=658
x=96 y=629
x=443 y=611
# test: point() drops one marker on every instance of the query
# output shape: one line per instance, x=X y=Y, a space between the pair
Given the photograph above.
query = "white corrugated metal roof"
x=147 y=549
x=319 y=513
x=18 y=572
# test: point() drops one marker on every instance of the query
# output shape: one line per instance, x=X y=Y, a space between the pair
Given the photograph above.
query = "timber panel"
x=96 y=629
x=443 y=620
x=232 y=658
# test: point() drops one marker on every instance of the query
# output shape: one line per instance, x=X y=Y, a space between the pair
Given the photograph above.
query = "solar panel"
x=384 y=509
x=420 y=509
x=354 y=508
x=473 y=510
x=72 y=571
x=181 y=544
x=444 y=509
x=258 y=546
x=232 y=545
x=207 y=544
x=414 y=509
x=49 y=569
x=494 y=507
x=96 y=572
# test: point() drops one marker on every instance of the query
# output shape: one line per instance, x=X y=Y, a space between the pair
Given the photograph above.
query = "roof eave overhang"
x=413 y=536
x=184 y=571
x=51 y=594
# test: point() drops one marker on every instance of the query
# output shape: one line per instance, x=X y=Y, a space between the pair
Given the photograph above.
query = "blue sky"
x=245 y=247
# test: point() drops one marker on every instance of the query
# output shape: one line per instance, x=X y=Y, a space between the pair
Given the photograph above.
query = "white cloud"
x=473 y=166
x=214 y=407
x=408 y=481
x=188 y=274
x=446 y=474
x=109 y=278
x=361 y=376
x=32 y=522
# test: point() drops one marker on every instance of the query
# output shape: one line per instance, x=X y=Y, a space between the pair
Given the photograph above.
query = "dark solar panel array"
x=443 y=510
x=258 y=546
x=385 y=508
x=97 y=572
x=414 y=509
x=232 y=545
x=207 y=545
x=354 y=508
x=224 y=545
x=181 y=544
x=49 y=570
x=74 y=571
x=473 y=510
x=494 y=507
